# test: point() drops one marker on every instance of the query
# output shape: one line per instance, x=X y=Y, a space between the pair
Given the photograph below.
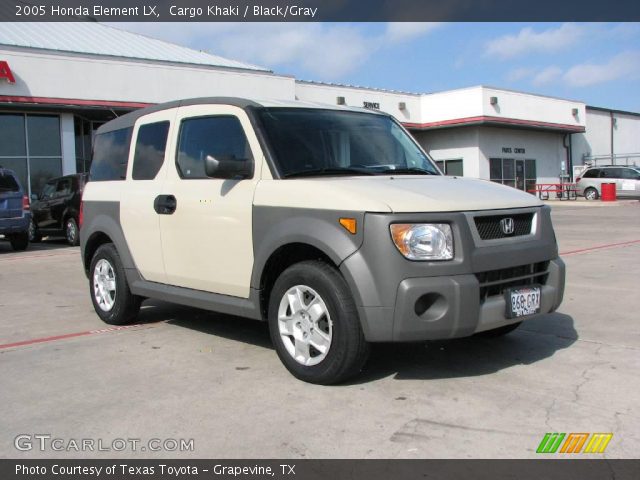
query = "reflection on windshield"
x=308 y=142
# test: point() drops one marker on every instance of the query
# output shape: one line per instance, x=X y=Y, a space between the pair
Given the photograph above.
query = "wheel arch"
x=281 y=259
x=91 y=246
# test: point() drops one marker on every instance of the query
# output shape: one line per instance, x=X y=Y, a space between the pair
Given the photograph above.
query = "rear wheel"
x=112 y=300
x=314 y=324
x=19 y=241
x=71 y=232
x=591 y=193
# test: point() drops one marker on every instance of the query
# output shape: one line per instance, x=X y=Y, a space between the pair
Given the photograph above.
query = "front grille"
x=489 y=226
x=496 y=282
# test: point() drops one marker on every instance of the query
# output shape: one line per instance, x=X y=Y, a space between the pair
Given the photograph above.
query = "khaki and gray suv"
x=627 y=180
x=331 y=224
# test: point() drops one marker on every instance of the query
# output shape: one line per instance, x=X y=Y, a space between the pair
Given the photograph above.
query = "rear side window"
x=110 y=155
x=221 y=137
x=591 y=173
x=150 y=148
x=631 y=173
x=612 y=173
x=8 y=183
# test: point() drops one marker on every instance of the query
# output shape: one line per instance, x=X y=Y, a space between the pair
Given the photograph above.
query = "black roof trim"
x=613 y=110
x=128 y=120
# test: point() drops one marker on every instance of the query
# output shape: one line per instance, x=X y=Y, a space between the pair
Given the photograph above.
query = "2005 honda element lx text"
x=330 y=223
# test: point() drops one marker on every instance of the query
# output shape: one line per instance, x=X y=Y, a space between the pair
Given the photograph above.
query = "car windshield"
x=314 y=142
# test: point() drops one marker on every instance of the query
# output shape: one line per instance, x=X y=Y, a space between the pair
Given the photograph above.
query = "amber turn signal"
x=349 y=224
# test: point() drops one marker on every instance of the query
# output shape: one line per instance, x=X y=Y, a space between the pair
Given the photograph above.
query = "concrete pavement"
x=185 y=373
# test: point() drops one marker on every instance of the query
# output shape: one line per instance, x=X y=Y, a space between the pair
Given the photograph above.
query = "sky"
x=597 y=63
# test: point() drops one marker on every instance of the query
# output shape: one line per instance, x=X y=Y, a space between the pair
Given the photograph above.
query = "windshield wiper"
x=328 y=171
x=405 y=171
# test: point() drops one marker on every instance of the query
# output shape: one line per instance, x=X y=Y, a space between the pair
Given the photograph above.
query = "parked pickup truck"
x=330 y=223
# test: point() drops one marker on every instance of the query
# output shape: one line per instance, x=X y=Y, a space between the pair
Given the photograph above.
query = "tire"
x=591 y=194
x=336 y=326
x=34 y=236
x=72 y=232
x=501 y=331
x=19 y=241
x=113 y=302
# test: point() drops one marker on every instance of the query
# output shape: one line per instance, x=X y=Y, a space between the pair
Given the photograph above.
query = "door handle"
x=165 y=204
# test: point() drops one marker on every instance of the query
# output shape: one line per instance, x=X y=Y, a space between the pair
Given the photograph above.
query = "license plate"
x=523 y=301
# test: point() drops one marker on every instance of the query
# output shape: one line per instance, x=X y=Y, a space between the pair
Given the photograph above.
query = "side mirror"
x=228 y=169
x=34 y=197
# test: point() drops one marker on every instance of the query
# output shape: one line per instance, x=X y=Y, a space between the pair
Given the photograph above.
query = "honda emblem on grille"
x=506 y=224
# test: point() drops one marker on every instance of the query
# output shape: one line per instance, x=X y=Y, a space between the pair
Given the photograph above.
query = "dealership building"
x=59 y=82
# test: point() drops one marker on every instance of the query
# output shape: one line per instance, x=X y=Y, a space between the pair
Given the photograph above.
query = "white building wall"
x=597 y=138
x=544 y=147
x=99 y=78
x=596 y=141
x=626 y=135
x=526 y=106
x=389 y=102
x=455 y=104
x=452 y=144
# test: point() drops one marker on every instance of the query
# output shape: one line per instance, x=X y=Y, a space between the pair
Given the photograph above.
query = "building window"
x=30 y=146
x=452 y=168
x=520 y=174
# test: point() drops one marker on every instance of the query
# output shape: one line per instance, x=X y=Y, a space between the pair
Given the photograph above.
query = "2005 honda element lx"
x=330 y=223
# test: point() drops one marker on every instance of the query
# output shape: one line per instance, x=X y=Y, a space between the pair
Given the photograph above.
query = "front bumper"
x=400 y=300
x=449 y=307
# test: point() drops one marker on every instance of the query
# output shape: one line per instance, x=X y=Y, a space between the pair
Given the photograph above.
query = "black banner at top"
x=318 y=10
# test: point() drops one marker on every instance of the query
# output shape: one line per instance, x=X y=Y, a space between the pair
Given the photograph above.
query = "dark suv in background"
x=14 y=210
x=56 y=209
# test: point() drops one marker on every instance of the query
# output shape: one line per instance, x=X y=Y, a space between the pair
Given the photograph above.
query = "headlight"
x=423 y=241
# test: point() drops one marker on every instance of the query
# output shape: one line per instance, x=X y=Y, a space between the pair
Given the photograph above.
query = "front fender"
x=274 y=227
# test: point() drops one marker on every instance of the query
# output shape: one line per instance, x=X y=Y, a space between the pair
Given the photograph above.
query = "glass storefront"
x=30 y=145
x=517 y=173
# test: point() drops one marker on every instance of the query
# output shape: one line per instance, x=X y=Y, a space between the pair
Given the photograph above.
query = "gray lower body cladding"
x=403 y=300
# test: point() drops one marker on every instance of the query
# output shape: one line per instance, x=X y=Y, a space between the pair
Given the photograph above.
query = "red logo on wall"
x=5 y=72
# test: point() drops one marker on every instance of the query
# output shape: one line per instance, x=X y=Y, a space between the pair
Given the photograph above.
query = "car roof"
x=130 y=119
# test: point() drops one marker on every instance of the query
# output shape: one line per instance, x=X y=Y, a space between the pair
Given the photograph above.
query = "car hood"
x=401 y=194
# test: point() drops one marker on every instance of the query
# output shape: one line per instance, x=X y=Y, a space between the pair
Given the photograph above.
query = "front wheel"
x=314 y=324
x=591 y=194
x=112 y=300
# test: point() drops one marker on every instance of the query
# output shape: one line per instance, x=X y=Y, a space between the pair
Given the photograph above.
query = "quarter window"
x=150 y=148
x=111 y=155
x=221 y=137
